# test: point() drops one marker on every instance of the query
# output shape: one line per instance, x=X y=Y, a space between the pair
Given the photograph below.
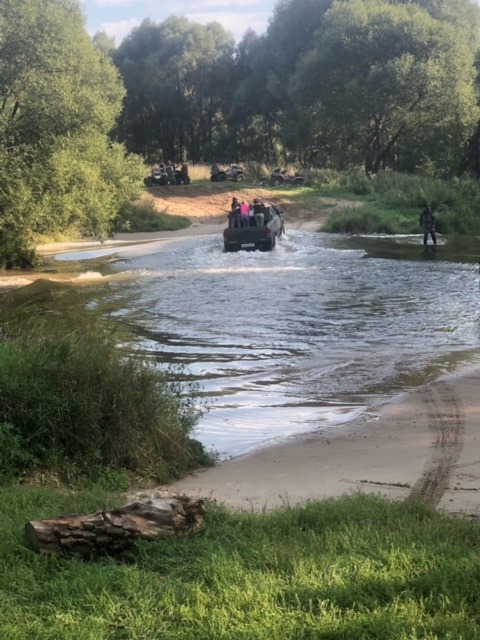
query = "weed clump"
x=78 y=402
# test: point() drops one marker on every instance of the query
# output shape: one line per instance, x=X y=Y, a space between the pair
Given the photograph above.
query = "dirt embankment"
x=210 y=204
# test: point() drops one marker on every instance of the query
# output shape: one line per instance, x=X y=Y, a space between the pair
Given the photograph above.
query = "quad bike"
x=181 y=174
x=234 y=172
x=157 y=178
x=281 y=177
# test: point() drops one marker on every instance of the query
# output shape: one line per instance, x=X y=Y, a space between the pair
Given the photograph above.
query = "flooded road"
x=308 y=336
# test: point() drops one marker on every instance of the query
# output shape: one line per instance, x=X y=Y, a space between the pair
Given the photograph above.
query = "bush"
x=14 y=456
x=143 y=216
x=16 y=253
x=360 y=220
x=79 y=401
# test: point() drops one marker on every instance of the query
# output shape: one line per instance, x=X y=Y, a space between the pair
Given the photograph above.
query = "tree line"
x=382 y=84
x=378 y=84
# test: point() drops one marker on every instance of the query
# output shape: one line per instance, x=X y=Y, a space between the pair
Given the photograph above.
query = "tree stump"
x=111 y=532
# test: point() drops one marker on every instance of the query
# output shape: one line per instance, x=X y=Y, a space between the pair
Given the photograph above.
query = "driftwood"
x=110 y=532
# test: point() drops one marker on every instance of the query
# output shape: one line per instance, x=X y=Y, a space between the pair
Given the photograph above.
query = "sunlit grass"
x=142 y=216
x=354 y=568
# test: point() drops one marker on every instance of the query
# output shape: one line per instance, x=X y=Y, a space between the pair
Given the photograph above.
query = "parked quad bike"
x=281 y=177
x=181 y=174
x=234 y=172
x=157 y=178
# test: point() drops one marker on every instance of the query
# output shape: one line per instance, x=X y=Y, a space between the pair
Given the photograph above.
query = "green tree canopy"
x=177 y=75
x=56 y=90
x=390 y=84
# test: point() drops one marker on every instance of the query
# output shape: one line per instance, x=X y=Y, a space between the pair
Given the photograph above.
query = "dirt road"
x=210 y=204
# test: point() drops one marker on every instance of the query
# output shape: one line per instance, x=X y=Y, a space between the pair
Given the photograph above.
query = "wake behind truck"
x=260 y=236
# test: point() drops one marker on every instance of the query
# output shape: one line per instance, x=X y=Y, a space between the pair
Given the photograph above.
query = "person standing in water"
x=427 y=222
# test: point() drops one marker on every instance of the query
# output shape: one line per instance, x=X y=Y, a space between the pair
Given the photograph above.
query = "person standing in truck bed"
x=258 y=211
x=234 y=214
x=245 y=214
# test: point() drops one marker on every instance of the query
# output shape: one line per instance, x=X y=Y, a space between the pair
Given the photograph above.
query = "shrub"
x=143 y=216
x=14 y=455
x=79 y=400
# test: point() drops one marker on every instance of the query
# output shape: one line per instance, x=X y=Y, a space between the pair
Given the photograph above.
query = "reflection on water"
x=304 y=337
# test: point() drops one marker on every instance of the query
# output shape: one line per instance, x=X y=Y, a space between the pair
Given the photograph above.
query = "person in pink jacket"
x=245 y=213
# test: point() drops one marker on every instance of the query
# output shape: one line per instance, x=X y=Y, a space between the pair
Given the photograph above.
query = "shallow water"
x=318 y=331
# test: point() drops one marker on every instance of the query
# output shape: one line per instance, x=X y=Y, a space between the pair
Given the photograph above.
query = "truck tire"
x=277 y=182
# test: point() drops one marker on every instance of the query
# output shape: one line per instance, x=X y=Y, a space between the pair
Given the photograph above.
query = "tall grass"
x=76 y=402
x=395 y=200
x=143 y=216
x=357 y=568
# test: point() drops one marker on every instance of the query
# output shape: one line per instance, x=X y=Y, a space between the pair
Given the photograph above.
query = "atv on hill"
x=234 y=172
x=157 y=178
x=281 y=177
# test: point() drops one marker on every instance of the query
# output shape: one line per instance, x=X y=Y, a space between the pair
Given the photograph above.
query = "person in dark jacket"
x=427 y=222
x=234 y=214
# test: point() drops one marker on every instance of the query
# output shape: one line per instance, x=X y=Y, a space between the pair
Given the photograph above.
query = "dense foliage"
x=76 y=404
x=367 y=84
x=378 y=84
x=60 y=96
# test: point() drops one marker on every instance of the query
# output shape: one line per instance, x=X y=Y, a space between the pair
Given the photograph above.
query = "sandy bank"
x=422 y=444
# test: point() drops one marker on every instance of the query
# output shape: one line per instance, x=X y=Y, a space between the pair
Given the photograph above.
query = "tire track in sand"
x=447 y=420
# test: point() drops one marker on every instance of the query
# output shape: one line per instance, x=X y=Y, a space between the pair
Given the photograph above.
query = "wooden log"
x=110 y=532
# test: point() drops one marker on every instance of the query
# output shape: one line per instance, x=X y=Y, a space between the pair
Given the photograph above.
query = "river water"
x=320 y=330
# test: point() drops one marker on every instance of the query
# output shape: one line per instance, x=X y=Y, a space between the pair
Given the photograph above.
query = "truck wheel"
x=277 y=182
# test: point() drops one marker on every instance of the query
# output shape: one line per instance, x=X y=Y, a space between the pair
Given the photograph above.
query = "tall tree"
x=390 y=83
x=177 y=76
x=56 y=88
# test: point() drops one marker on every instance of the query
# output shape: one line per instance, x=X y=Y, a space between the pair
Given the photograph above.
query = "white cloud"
x=113 y=3
x=237 y=23
x=118 y=30
x=223 y=4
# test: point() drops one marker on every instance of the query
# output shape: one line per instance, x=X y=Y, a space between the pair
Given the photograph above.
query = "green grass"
x=393 y=203
x=143 y=217
x=350 y=569
x=76 y=403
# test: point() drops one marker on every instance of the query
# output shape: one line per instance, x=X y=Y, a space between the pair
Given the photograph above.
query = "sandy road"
x=423 y=444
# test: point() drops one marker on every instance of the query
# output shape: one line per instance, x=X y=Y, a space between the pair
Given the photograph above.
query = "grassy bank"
x=142 y=216
x=355 y=568
x=392 y=203
x=78 y=405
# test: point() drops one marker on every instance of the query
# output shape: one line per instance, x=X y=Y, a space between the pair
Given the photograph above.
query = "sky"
x=118 y=17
